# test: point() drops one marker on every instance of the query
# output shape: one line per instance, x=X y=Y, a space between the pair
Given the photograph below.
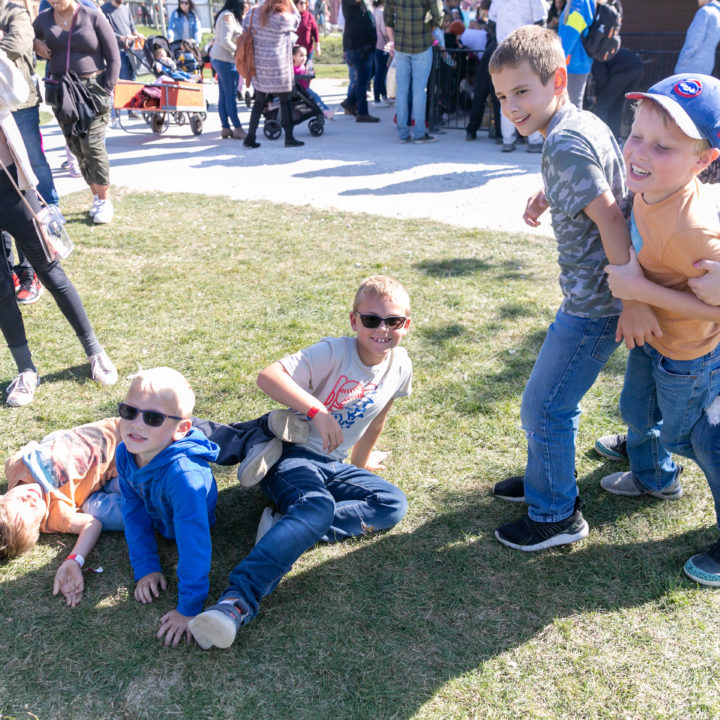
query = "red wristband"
x=79 y=559
x=312 y=412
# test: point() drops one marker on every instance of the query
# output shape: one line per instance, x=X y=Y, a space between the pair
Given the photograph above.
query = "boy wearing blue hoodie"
x=166 y=485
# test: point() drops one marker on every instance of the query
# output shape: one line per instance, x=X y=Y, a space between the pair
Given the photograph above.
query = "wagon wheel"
x=272 y=129
x=196 y=123
x=159 y=123
x=179 y=118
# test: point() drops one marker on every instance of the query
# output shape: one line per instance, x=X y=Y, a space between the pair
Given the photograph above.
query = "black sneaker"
x=425 y=139
x=512 y=489
x=528 y=535
x=704 y=568
x=612 y=447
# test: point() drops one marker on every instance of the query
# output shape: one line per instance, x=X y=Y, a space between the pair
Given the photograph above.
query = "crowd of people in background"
x=389 y=47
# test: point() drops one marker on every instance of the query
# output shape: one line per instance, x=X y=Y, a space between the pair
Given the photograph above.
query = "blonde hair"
x=168 y=385
x=382 y=286
x=538 y=46
x=700 y=145
x=16 y=535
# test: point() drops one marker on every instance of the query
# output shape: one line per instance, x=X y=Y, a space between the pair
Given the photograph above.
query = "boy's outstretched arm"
x=362 y=454
x=629 y=283
x=276 y=382
x=69 y=578
x=707 y=286
x=637 y=323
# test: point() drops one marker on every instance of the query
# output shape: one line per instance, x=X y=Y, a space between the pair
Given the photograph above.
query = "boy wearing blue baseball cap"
x=670 y=396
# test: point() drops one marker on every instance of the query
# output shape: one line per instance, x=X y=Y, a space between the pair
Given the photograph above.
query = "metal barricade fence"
x=450 y=88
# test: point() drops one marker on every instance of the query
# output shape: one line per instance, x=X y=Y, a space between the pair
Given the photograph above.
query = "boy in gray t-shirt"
x=583 y=174
x=345 y=387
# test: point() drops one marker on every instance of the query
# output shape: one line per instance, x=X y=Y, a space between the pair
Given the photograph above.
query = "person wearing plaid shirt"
x=409 y=24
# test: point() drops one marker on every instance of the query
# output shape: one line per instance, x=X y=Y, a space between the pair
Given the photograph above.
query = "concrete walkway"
x=354 y=167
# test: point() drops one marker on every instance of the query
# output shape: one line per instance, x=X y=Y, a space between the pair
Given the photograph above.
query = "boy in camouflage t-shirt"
x=583 y=174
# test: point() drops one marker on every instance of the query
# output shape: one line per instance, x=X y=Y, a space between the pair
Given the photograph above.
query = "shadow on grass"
x=74 y=373
x=453 y=267
x=374 y=632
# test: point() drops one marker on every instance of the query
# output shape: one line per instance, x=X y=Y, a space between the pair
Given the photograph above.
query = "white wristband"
x=79 y=559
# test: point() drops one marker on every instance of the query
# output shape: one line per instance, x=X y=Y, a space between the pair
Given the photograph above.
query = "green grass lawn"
x=433 y=620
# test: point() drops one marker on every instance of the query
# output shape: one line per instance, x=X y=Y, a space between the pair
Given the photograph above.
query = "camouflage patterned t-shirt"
x=581 y=161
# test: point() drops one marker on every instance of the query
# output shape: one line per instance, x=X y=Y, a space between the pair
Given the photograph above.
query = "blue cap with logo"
x=692 y=101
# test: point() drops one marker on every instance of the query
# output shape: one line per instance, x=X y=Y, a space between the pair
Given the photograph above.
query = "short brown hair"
x=16 y=535
x=539 y=46
x=383 y=286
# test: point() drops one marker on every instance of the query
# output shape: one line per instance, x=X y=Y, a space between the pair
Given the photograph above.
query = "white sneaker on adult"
x=22 y=389
x=104 y=213
x=102 y=370
x=94 y=207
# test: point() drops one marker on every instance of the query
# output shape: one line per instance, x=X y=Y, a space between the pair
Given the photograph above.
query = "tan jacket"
x=17 y=42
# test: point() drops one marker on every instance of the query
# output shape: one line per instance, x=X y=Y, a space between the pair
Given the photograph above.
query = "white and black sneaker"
x=612 y=447
x=528 y=535
x=511 y=489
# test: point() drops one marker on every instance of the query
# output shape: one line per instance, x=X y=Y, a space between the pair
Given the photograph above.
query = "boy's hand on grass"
x=707 y=286
x=330 y=432
x=537 y=204
x=149 y=587
x=376 y=461
x=625 y=280
x=174 y=626
x=637 y=324
x=69 y=581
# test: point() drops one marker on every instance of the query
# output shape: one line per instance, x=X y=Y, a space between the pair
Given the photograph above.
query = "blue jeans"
x=28 y=122
x=321 y=500
x=228 y=79
x=360 y=65
x=413 y=68
x=573 y=354
x=104 y=504
x=318 y=100
x=663 y=403
x=381 y=70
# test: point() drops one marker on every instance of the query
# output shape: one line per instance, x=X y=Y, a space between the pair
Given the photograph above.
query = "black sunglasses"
x=392 y=322
x=153 y=418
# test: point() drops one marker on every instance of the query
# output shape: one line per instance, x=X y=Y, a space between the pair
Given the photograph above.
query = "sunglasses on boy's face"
x=392 y=322
x=153 y=418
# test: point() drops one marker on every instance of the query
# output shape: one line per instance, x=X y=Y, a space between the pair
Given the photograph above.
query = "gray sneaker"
x=612 y=447
x=217 y=626
x=625 y=483
x=288 y=426
x=260 y=458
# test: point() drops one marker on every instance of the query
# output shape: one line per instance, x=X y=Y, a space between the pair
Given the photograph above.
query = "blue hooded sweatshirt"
x=175 y=494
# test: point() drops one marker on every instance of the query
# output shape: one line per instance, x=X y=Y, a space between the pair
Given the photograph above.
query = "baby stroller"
x=174 y=100
x=303 y=108
x=182 y=53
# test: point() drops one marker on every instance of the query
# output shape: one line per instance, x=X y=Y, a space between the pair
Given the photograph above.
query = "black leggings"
x=17 y=220
x=285 y=113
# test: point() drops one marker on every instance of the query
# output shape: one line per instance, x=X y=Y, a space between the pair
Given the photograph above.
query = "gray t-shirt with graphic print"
x=353 y=393
x=581 y=161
